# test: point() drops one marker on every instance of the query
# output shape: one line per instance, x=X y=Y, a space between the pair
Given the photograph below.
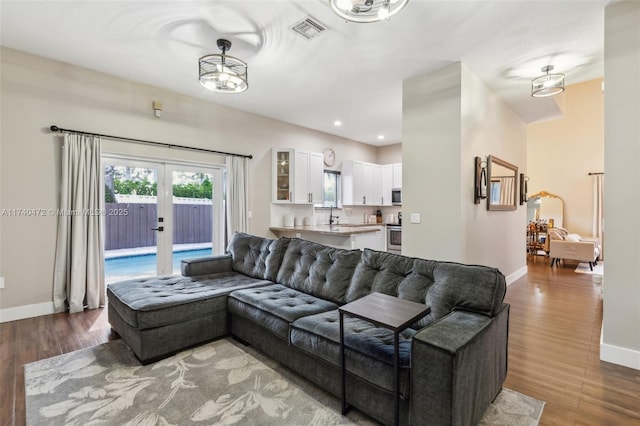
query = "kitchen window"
x=332 y=184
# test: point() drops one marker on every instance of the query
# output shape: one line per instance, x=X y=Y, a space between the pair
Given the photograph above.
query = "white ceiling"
x=351 y=72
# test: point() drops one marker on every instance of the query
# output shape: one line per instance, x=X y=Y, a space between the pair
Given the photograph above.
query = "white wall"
x=37 y=92
x=449 y=117
x=389 y=154
x=431 y=165
x=621 y=304
x=490 y=127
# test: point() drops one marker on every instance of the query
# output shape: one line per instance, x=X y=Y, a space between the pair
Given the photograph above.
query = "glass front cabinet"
x=297 y=176
x=282 y=176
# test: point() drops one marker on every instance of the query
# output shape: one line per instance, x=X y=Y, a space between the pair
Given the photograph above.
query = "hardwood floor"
x=554 y=350
x=554 y=338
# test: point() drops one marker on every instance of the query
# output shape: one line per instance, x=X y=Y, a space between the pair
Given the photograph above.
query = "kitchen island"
x=348 y=236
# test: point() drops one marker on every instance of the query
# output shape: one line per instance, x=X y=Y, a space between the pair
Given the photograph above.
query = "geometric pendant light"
x=548 y=84
x=223 y=73
x=367 y=10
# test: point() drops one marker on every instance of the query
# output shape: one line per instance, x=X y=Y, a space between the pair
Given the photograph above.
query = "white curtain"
x=506 y=190
x=79 y=269
x=598 y=210
x=237 y=194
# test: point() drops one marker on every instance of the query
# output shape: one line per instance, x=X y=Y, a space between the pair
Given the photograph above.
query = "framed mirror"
x=502 y=184
x=546 y=207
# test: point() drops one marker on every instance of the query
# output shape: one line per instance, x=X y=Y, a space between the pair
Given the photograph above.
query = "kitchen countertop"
x=340 y=230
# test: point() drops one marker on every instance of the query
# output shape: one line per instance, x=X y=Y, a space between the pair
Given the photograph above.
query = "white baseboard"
x=26 y=311
x=511 y=278
x=621 y=356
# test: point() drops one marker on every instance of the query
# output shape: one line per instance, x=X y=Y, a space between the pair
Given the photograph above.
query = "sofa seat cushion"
x=369 y=349
x=276 y=306
x=158 y=301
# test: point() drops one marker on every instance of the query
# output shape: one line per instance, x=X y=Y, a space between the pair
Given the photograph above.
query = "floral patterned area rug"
x=220 y=383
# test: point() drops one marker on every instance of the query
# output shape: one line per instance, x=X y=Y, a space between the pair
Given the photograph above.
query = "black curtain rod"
x=142 y=141
x=595 y=173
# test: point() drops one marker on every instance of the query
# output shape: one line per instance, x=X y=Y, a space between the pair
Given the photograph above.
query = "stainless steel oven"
x=394 y=239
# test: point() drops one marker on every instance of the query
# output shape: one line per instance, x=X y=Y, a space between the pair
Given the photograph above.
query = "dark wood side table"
x=384 y=311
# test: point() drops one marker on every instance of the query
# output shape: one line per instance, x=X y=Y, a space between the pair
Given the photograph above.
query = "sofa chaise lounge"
x=282 y=296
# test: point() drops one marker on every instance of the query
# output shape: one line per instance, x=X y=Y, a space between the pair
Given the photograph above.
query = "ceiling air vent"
x=308 y=28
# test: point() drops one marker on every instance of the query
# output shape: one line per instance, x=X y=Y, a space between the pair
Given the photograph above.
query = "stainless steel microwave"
x=396 y=196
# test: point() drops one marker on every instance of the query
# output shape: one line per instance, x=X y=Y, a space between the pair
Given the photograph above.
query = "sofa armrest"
x=206 y=265
x=594 y=240
x=583 y=250
x=458 y=366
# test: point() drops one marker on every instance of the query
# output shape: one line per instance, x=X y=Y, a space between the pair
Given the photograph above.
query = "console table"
x=385 y=311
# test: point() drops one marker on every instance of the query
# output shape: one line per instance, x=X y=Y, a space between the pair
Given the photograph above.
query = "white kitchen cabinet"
x=370 y=240
x=361 y=183
x=301 y=174
x=397 y=175
x=296 y=176
x=387 y=184
x=316 y=177
x=282 y=175
x=376 y=185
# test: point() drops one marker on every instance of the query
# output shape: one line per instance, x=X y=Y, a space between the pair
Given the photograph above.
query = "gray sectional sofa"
x=282 y=297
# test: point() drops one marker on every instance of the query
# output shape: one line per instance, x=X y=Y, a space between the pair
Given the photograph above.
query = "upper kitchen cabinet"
x=397 y=175
x=315 y=187
x=296 y=176
x=361 y=184
x=387 y=184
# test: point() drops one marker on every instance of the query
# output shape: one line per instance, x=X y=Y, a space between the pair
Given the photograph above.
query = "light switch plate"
x=415 y=218
x=1 y=282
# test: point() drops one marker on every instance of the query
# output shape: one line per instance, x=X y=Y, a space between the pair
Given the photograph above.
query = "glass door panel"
x=159 y=214
x=132 y=231
x=195 y=213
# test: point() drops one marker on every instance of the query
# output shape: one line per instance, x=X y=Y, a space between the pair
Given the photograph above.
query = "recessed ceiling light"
x=337 y=123
x=380 y=137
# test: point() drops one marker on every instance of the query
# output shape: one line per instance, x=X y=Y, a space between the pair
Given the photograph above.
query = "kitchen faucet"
x=331 y=216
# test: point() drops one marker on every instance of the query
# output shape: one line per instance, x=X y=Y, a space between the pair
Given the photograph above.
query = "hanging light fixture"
x=367 y=10
x=548 y=84
x=223 y=73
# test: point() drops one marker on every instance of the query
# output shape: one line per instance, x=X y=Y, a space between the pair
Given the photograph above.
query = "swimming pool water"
x=145 y=264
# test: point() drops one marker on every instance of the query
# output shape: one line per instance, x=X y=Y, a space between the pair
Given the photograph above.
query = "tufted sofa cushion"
x=256 y=257
x=473 y=288
x=369 y=349
x=274 y=307
x=444 y=286
x=319 y=270
x=387 y=273
x=158 y=301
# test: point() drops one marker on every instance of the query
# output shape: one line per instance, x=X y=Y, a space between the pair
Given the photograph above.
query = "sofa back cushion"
x=384 y=273
x=256 y=257
x=319 y=270
x=444 y=286
x=474 y=288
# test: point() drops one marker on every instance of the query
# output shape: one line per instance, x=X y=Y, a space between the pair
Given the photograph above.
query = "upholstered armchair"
x=563 y=245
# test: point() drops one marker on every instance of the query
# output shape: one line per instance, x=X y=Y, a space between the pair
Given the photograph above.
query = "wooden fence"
x=128 y=225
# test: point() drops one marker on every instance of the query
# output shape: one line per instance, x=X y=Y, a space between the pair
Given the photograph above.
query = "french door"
x=158 y=213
